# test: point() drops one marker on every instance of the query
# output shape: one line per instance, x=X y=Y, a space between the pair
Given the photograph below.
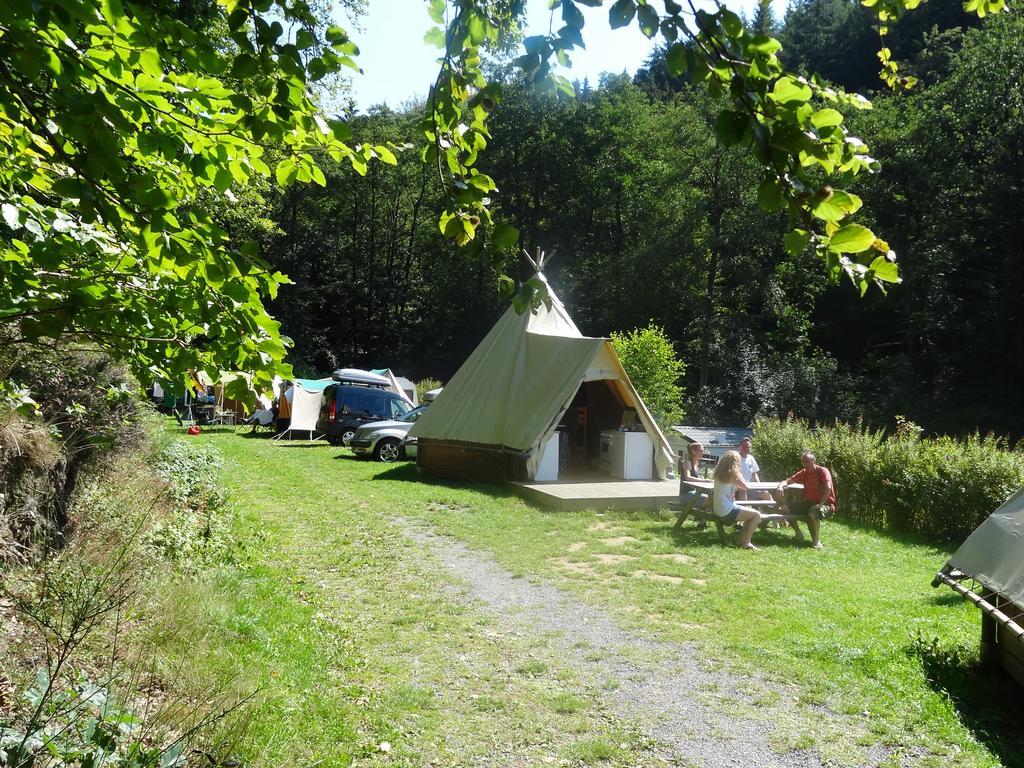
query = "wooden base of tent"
x=469 y=461
x=603 y=494
x=1008 y=649
x=1002 y=623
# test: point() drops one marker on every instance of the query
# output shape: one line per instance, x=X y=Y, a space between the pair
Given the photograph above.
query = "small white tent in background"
x=409 y=389
x=494 y=418
x=304 y=396
x=399 y=385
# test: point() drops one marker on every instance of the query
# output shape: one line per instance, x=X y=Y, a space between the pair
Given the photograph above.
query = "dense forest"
x=652 y=219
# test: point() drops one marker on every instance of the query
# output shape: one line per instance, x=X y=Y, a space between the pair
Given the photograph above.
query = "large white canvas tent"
x=993 y=558
x=493 y=419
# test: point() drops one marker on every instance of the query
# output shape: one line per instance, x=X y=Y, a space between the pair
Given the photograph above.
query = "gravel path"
x=665 y=695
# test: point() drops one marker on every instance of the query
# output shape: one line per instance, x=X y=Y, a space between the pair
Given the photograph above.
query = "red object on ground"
x=194 y=430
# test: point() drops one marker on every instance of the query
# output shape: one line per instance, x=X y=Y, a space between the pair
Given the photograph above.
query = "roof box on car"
x=357 y=376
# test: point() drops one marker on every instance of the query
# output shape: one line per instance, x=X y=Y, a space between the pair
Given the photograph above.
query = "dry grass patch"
x=619 y=541
x=657 y=577
x=607 y=558
x=575 y=567
x=675 y=557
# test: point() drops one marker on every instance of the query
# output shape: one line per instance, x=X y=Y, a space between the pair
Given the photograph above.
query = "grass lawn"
x=346 y=628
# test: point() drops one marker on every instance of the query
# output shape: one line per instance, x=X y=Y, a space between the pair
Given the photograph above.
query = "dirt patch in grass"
x=579 y=568
x=576 y=546
x=675 y=557
x=657 y=577
x=619 y=541
x=607 y=558
x=446 y=506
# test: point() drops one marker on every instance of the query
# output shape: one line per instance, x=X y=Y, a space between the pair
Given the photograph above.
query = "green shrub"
x=82 y=724
x=942 y=488
x=196 y=531
x=425 y=385
x=650 y=360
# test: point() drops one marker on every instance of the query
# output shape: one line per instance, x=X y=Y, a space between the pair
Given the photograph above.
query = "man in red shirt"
x=819 y=498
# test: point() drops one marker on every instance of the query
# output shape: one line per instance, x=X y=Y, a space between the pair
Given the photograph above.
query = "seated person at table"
x=727 y=480
x=689 y=496
x=750 y=471
x=819 y=497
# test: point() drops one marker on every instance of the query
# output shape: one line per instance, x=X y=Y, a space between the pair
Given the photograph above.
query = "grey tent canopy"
x=988 y=571
x=994 y=554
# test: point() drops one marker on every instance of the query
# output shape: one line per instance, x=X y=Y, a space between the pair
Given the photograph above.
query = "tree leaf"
x=647 y=17
x=435 y=37
x=286 y=172
x=769 y=194
x=504 y=236
x=149 y=60
x=826 y=118
x=730 y=126
x=223 y=179
x=621 y=13
x=245 y=66
x=763 y=44
x=571 y=15
x=676 y=59
x=885 y=270
x=731 y=23
x=789 y=90
x=477 y=29
x=796 y=241
x=836 y=205
x=853 y=238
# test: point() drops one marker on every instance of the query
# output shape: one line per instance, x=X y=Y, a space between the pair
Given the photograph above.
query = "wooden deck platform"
x=602 y=494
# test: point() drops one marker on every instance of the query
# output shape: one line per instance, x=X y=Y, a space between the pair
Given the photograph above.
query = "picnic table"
x=700 y=505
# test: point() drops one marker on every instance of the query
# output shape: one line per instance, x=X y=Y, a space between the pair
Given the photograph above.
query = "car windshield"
x=412 y=415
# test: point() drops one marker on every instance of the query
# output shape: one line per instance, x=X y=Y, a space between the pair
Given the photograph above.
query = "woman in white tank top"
x=727 y=480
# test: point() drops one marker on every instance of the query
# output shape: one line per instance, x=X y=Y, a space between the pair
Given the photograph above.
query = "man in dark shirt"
x=819 y=496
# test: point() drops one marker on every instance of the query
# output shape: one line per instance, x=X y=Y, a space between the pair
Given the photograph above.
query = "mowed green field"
x=360 y=650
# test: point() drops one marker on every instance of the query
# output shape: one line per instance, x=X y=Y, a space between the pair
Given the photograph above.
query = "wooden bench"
x=701 y=512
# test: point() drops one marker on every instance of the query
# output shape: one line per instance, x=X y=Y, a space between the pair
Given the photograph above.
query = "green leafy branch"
x=114 y=117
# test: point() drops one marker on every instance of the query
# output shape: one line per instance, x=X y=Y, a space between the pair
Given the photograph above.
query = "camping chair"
x=262 y=418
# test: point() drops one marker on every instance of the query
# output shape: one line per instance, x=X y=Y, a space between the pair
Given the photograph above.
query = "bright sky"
x=399 y=66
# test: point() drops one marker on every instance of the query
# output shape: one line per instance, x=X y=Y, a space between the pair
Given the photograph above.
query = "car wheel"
x=346 y=436
x=387 y=450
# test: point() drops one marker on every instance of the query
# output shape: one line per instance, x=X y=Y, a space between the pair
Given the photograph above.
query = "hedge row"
x=942 y=488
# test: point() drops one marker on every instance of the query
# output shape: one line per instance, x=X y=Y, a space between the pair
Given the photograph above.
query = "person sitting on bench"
x=727 y=480
x=819 y=497
x=690 y=470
